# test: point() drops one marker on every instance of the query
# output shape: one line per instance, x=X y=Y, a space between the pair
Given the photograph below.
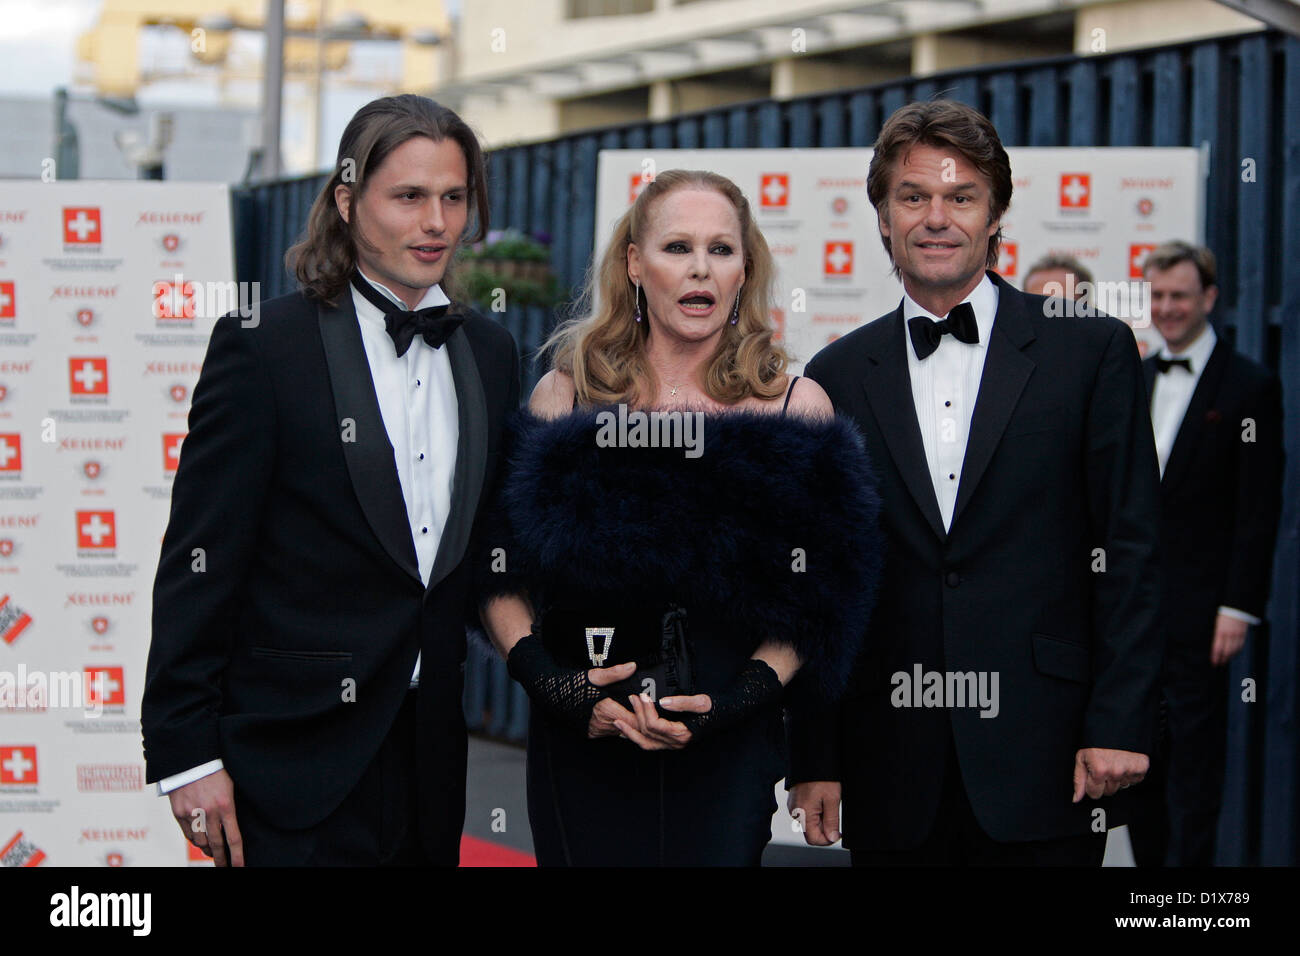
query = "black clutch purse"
x=664 y=663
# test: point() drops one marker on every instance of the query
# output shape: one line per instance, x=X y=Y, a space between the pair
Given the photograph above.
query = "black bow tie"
x=926 y=332
x=1163 y=364
x=403 y=325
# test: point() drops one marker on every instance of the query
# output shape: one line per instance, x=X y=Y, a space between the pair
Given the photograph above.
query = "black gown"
x=607 y=802
x=615 y=538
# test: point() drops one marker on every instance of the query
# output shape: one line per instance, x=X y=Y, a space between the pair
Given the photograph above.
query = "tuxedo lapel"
x=1192 y=427
x=889 y=392
x=1149 y=376
x=1006 y=370
x=370 y=459
x=471 y=456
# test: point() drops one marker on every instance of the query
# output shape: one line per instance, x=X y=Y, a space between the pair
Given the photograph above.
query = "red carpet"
x=474 y=852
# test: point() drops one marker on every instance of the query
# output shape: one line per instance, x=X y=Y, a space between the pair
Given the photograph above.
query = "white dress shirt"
x=945 y=385
x=417 y=400
x=1171 y=393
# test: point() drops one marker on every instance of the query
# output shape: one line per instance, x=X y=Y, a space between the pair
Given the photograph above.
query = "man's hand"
x=213 y=827
x=1101 y=773
x=1229 y=636
x=607 y=710
x=816 y=805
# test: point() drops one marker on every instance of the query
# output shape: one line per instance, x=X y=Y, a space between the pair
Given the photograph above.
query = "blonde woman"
x=685 y=527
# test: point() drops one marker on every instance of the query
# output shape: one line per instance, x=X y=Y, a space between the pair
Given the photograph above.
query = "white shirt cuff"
x=178 y=780
x=1240 y=615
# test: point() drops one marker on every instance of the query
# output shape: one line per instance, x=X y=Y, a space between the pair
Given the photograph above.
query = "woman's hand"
x=608 y=710
x=652 y=732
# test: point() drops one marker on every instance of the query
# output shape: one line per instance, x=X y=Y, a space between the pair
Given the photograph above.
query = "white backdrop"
x=1106 y=207
x=108 y=293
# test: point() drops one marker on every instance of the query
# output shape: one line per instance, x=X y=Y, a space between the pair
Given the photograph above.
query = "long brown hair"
x=324 y=258
x=605 y=350
x=943 y=124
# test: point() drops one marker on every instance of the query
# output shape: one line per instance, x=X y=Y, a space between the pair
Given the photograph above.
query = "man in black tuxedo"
x=1010 y=668
x=303 y=694
x=1218 y=428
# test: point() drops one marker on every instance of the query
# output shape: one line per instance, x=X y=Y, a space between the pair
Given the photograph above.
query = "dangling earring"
x=735 y=309
x=638 y=298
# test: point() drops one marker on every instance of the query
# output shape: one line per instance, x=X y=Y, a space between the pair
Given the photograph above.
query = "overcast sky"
x=38 y=42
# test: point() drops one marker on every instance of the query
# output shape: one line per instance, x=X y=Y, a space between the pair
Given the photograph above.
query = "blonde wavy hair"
x=604 y=348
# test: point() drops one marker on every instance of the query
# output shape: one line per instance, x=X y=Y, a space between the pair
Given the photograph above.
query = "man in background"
x=1217 y=417
x=1064 y=274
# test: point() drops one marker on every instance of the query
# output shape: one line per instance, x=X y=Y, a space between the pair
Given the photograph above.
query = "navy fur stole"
x=772 y=526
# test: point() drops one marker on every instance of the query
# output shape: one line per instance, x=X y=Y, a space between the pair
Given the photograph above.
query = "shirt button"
x=417 y=383
x=952 y=579
x=945 y=404
x=421 y=456
x=424 y=531
x=951 y=476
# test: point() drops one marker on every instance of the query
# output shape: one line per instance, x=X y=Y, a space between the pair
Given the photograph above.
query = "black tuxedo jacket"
x=288 y=607
x=1060 y=461
x=1221 y=498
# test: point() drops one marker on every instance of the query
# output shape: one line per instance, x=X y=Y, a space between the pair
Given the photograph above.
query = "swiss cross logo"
x=1076 y=190
x=88 y=375
x=774 y=191
x=1008 y=260
x=171 y=242
x=99 y=624
x=635 y=184
x=838 y=258
x=6 y=547
x=173 y=300
x=172 y=450
x=11 y=452
x=96 y=530
x=81 y=226
x=104 y=686
x=178 y=392
x=18 y=766
x=4 y=392
x=85 y=317
x=1137 y=257
x=8 y=302
x=91 y=468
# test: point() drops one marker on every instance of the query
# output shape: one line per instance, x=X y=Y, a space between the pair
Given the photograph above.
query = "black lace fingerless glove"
x=565 y=693
x=755 y=687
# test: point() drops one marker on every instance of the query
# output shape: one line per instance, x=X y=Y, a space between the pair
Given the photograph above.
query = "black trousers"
x=1176 y=809
x=375 y=825
x=958 y=840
